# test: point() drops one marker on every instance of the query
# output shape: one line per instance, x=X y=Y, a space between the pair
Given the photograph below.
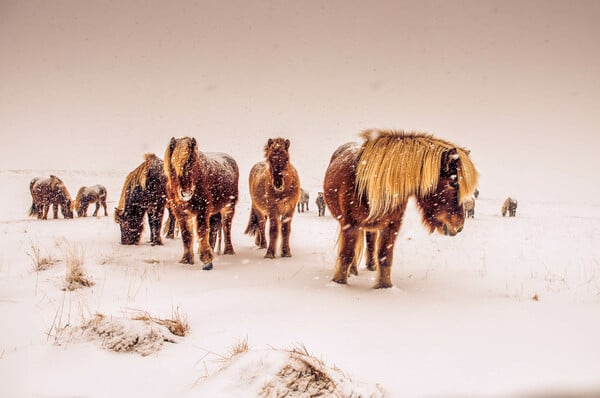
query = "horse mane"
x=176 y=157
x=56 y=182
x=394 y=165
x=136 y=178
x=78 y=197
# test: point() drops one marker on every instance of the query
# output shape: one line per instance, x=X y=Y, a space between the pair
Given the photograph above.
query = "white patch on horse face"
x=456 y=156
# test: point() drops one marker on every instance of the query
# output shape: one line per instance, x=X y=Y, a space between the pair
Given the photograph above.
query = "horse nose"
x=445 y=230
x=459 y=230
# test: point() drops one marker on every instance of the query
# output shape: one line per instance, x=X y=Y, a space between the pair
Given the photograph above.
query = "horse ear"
x=450 y=160
x=287 y=144
x=269 y=142
x=193 y=143
x=172 y=144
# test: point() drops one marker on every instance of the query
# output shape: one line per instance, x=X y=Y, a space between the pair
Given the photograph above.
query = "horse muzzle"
x=451 y=231
x=186 y=195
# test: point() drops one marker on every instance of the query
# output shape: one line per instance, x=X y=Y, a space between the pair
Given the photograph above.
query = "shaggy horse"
x=510 y=206
x=88 y=195
x=320 y=201
x=49 y=191
x=367 y=188
x=203 y=186
x=144 y=192
x=275 y=191
x=303 y=202
x=469 y=206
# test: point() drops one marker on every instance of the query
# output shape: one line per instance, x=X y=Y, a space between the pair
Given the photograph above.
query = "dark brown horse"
x=88 y=195
x=367 y=188
x=204 y=187
x=144 y=192
x=275 y=191
x=50 y=191
x=320 y=202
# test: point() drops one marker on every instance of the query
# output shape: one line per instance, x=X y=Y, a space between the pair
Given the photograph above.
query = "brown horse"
x=320 y=201
x=203 y=186
x=469 y=206
x=50 y=191
x=88 y=195
x=367 y=188
x=303 y=202
x=510 y=206
x=275 y=191
x=144 y=192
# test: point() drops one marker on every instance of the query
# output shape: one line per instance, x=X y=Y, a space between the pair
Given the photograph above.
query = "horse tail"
x=216 y=228
x=359 y=249
x=32 y=210
x=252 y=227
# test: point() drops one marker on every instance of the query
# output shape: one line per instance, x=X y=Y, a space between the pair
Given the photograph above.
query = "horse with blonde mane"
x=201 y=186
x=275 y=191
x=49 y=191
x=87 y=195
x=144 y=192
x=367 y=188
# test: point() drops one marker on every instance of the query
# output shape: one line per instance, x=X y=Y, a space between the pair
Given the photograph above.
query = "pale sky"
x=95 y=84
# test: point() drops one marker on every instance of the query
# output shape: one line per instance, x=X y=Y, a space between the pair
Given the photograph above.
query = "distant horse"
x=303 y=202
x=50 y=191
x=275 y=191
x=367 y=188
x=88 y=195
x=510 y=206
x=320 y=201
x=144 y=192
x=469 y=206
x=203 y=186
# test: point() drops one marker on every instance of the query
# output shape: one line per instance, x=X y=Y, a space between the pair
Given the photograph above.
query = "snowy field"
x=508 y=308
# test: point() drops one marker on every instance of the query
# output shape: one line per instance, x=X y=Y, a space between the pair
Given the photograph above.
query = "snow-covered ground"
x=509 y=307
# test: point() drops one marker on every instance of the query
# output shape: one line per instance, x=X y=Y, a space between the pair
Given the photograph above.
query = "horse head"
x=182 y=165
x=278 y=158
x=443 y=209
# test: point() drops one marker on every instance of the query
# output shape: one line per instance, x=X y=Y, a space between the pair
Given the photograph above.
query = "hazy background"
x=95 y=84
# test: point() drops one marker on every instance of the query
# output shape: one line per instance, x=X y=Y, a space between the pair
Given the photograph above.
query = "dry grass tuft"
x=76 y=277
x=40 y=262
x=177 y=324
x=239 y=348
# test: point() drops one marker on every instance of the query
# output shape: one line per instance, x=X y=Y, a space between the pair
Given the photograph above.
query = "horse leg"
x=286 y=230
x=371 y=238
x=261 y=237
x=187 y=239
x=227 y=222
x=203 y=232
x=155 y=221
x=346 y=253
x=55 y=210
x=97 y=208
x=274 y=226
x=387 y=239
x=104 y=205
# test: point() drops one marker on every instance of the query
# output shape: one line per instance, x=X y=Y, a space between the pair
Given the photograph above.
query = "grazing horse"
x=204 y=187
x=367 y=188
x=303 y=202
x=510 y=206
x=469 y=206
x=88 y=195
x=144 y=192
x=50 y=191
x=275 y=191
x=320 y=201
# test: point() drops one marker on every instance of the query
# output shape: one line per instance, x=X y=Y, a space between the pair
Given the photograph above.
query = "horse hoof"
x=381 y=285
x=186 y=260
x=229 y=251
x=207 y=267
x=341 y=281
x=269 y=255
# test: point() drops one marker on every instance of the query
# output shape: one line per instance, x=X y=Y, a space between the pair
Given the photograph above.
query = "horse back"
x=223 y=177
